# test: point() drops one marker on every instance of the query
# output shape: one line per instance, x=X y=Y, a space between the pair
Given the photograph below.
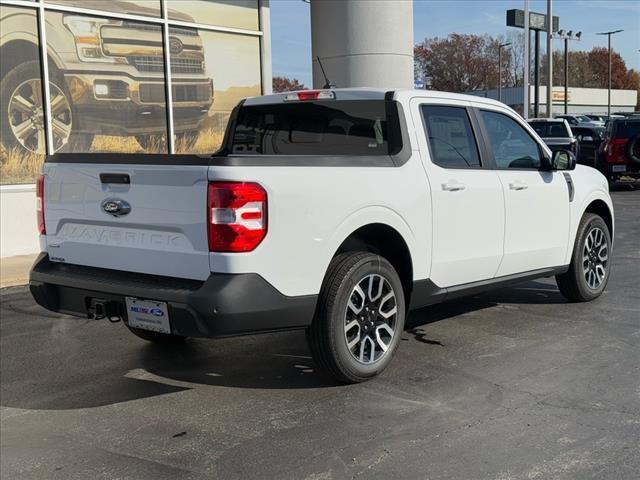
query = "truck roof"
x=365 y=93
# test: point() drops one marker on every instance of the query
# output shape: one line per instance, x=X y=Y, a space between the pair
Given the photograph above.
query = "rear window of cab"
x=322 y=127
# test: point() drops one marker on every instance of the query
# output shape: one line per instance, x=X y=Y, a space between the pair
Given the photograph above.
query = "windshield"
x=583 y=118
x=324 y=127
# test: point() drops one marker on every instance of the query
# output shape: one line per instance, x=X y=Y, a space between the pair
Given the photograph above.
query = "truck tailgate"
x=164 y=231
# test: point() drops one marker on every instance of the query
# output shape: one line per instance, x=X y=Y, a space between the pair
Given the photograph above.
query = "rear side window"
x=548 y=129
x=626 y=128
x=512 y=146
x=329 y=127
x=451 y=140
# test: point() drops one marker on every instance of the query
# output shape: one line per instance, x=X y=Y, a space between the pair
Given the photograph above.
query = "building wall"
x=581 y=100
x=108 y=83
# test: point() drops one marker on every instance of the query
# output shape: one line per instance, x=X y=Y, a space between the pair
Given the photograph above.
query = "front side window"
x=451 y=140
x=512 y=146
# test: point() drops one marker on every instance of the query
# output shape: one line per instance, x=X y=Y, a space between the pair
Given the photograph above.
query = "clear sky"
x=291 y=37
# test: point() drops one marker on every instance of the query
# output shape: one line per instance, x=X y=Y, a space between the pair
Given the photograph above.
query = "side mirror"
x=563 y=160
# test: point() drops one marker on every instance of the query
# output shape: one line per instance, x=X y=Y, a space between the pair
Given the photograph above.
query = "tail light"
x=237 y=216
x=40 y=204
x=614 y=150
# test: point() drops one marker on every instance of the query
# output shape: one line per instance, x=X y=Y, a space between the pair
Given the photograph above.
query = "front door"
x=536 y=200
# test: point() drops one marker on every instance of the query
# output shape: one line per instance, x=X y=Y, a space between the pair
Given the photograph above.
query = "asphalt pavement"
x=512 y=384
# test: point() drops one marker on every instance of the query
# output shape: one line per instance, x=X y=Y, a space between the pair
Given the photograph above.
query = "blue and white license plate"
x=618 y=168
x=148 y=315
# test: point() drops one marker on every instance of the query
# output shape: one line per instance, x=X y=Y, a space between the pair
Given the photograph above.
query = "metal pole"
x=168 y=82
x=566 y=75
x=608 y=34
x=549 y=58
x=609 y=91
x=525 y=76
x=500 y=73
x=536 y=76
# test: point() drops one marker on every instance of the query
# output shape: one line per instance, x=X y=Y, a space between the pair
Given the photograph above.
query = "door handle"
x=518 y=185
x=453 y=186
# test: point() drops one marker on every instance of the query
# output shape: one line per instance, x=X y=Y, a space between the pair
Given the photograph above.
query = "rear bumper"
x=223 y=305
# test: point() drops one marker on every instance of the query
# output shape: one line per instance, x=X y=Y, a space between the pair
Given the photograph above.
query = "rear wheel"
x=360 y=317
x=590 y=266
x=156 y=337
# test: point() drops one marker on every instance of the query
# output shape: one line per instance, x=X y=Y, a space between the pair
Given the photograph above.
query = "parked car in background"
x=589 y=140
x=598 y=118
x=579 y=120
x=619 y=153
x=556 y=133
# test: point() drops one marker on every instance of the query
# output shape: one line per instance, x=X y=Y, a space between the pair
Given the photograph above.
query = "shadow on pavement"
x=90 y=366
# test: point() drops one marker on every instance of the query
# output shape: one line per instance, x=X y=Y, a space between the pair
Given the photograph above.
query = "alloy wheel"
x=26 y=116
x=595 y=258
x=370 y=319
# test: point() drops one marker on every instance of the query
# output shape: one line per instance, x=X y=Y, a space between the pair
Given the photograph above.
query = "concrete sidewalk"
x=15 y=270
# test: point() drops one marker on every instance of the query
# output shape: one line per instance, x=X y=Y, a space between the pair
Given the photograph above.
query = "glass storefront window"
x=211 y=73
x=22 y=132
x=108 y=88
x=224 y=13
x=150 y=8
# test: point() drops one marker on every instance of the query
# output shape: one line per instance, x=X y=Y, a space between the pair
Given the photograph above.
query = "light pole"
x=608 y=34
x=500 y=47
x=566 y=36
x=549 y=59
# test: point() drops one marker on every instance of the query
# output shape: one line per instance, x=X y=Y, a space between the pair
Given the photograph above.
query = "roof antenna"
x=328 y=83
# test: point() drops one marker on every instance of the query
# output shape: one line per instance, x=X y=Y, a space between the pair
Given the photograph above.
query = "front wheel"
x=359 y=318
x=590 y=265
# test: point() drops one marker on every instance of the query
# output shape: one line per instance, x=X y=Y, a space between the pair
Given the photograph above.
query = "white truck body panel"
x=482 y=231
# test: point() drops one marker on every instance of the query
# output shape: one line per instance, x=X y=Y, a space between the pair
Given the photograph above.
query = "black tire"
x=327 y=335
x=573 y=284
x=632 y=149
x=156 y=337
x=17 y=76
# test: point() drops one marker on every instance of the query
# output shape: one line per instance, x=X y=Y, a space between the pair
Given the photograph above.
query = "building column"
x=363 y=43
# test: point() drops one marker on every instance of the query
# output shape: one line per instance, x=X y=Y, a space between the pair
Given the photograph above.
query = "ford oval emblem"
x=116 y=207
x=175 y=45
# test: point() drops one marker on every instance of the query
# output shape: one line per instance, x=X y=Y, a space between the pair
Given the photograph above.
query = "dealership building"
x=579 y=100
x=158 y=76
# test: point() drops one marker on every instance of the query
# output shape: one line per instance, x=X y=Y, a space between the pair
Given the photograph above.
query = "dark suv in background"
x=619 y=153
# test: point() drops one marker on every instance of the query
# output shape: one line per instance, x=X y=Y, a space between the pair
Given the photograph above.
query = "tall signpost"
x=549 y=61
x=537 y=23
x=527 y=62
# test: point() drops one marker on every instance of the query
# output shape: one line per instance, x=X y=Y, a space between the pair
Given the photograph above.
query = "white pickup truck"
x=335 y=211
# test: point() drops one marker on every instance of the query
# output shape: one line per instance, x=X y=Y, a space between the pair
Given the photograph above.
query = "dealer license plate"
x=148 y=315
x=619 y=168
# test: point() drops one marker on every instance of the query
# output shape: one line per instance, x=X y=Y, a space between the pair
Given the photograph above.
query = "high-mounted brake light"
x=237 y=216
x=310 y=95
x=40 y=204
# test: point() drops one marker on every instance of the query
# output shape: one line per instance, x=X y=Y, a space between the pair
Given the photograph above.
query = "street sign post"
x=537 y=23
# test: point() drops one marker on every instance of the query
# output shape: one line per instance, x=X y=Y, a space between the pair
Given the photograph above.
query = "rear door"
x=146 y=217
x=536 y=201
x=467 y=199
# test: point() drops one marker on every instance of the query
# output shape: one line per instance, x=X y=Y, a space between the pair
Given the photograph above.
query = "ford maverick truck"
x=336 y=211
